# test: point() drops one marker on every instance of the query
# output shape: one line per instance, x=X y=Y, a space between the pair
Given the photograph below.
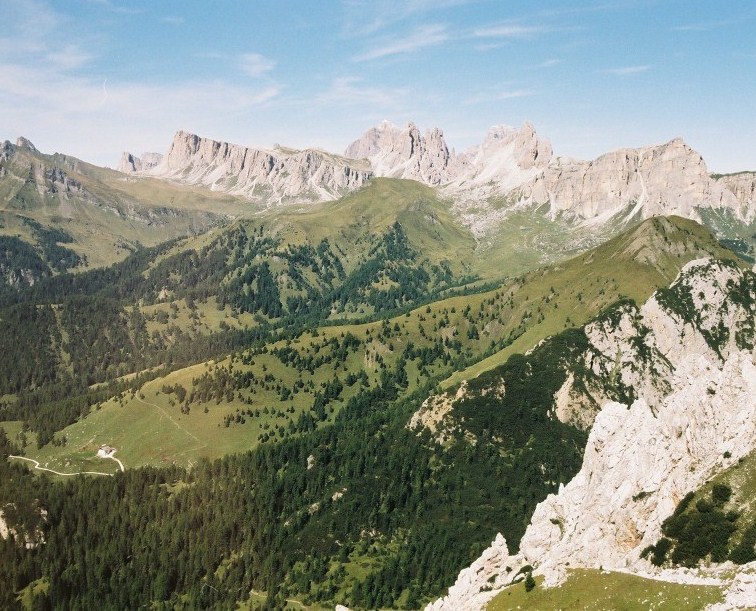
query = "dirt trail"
x=36 y=466
x=120 y=464
x=202 y=444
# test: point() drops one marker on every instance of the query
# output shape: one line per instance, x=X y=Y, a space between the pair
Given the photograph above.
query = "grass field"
x=150 y=427
x=631 y=265
x=593 y=590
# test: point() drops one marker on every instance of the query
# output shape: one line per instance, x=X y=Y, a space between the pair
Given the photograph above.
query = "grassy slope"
x=350 y=222
x=597 y=590
x=157 y=432
x=113 y=213
x=633 y=265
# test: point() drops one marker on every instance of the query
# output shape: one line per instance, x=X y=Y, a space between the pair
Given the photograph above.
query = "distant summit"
x=269 y=177
x=130 y=164
x=512 y=168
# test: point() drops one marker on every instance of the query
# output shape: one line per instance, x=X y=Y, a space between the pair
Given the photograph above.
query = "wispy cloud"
x=703 y=26
x=254 y=64
x=351 y=91
x=549 y=63
x=172 y=20
x=365 y=17
x=68 y=57
x=498 y=96
x=423 y=37
x=510 y=30
x=627 y=70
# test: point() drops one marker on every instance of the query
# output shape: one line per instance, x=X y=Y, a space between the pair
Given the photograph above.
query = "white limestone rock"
x=641 y=460
x=513 y=166
x=405 y=153
x=481 y=581
x=741 y=593
x=666 y=179
x=130 y=164
x=260 y=175
x=743 y=186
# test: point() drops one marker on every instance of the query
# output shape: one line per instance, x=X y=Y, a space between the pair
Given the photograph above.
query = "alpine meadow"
x=372 y=370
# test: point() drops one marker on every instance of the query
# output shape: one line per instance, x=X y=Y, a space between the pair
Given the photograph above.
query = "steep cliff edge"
x=131 y=164
x=670 y=178
x=260 y=175
x=520 y=168
x=688 y=354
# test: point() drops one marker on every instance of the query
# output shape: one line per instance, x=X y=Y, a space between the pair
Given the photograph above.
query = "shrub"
x=529 y=582
x=720 y=494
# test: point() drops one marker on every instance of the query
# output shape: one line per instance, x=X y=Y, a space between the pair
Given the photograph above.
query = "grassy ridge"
x=456 y=334
x=632 y=265
x=106 y=214
x=598 y=590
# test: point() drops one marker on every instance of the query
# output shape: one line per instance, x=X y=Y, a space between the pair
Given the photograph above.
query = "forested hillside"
x=339 y=499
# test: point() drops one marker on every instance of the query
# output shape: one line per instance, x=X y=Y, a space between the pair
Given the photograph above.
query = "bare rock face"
x=473 y=589
x=514 y=165
x=504 y=160
x=405 y=153
x=507 y=158
x=743 y=186
x=23 y=143
x=130 y=164
x=265 y=176
x=659 y=180
x=518 y=166
x=692 y=358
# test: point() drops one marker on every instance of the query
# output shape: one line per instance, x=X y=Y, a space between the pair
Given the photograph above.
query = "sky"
x=93 y=78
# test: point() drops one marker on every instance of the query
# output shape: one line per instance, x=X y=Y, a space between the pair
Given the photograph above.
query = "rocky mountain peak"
x=23 y=143
x=261 y=175
x=511 y=164
x=405 y=153
x=670 y=178
x=131 y=164
x=691 y=360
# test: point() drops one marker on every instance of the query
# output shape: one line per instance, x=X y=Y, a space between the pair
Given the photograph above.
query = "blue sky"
x=92 y=78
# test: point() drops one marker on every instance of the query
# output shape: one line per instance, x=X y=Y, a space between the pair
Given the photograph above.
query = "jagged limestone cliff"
x=688 y=357
x=264 y=176
x=518 y=166
x=131 y=164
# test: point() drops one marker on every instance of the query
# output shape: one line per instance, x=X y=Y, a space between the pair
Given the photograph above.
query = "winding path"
x=202 y=444
x=120 y=464
x=36 y=466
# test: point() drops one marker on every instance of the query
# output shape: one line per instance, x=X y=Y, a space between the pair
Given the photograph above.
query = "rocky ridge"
x=692 y=418
x=512 y=169
x=516 y=166
x=743 y=185
x=130 y=164
x=667 y=179
x=264 y=176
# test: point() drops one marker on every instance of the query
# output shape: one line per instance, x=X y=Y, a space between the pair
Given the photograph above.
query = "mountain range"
x=342 y=379
x=514 y=164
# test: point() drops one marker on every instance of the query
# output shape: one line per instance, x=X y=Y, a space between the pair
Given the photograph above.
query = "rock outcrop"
x=506 y=158
x=743 y=186
x=23 y=143
x=405 y=153
x=659 y=180
x=512 y=166
x=260 y=175
x=130 y=164
x=517 y=167
x=691 y=358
